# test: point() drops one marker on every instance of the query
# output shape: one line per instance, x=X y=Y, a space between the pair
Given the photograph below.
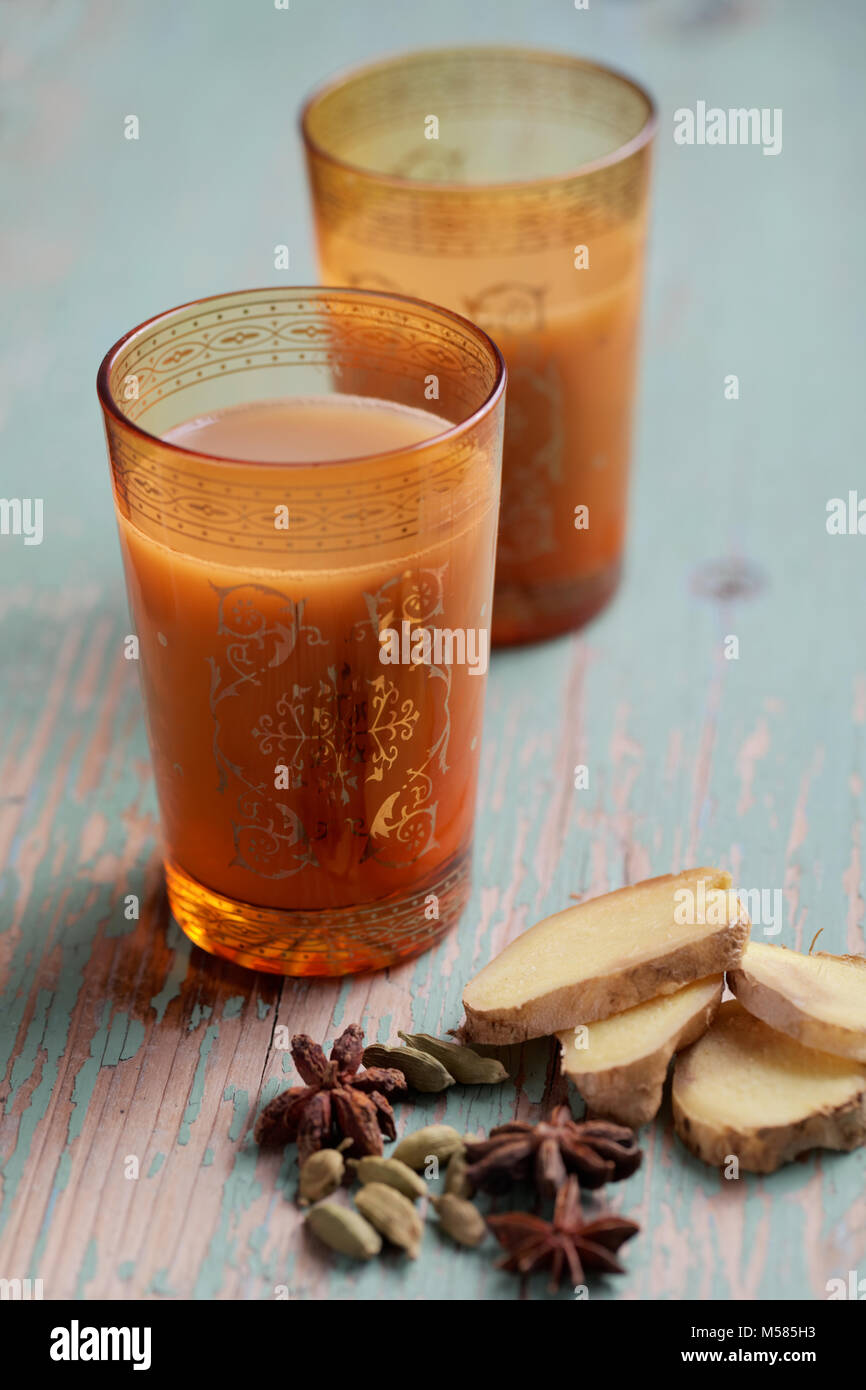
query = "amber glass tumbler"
x=512 y=186
x=316 y=802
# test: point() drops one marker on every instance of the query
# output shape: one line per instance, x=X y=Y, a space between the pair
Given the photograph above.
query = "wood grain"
x=118 y=1039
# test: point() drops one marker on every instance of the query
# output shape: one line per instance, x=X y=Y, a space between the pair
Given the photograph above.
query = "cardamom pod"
x=434 y=1141
x=465 y=1065
x=423 y=1072
x=321 y=1175
x=392 y=1214
x=460 y=1220
x=391 y=1171
x=457 y=1182
x=344 y=1230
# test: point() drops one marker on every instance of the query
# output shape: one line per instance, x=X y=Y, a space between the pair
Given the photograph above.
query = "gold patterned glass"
x=512 y=186
x=312 y=619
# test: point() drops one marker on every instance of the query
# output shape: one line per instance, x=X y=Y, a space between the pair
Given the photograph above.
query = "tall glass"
x=315 y=754
x=511 y=185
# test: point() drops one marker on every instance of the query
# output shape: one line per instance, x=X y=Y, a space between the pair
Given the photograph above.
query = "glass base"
x=334 y=941
x=533 y=612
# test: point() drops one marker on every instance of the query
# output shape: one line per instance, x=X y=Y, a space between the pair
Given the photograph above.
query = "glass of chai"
x=306 y=484
x=512 y=186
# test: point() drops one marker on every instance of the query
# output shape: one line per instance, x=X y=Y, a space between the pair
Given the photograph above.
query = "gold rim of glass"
x=111 y=406
x=637 y=142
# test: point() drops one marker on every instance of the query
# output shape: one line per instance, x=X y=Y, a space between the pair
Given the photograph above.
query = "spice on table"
x=568 y=1244
x=457 y=1182
x=390 y=1171
x=336 y=1100
x=344 y=1230
x=422 y=1072
x=321 y=1175
x=596 y=1150
x=393 y=1215
x=465 y=1065
x=433 y=1141
x=460 y=1220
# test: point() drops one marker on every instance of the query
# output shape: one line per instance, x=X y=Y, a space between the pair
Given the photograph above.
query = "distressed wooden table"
x=125 y=1050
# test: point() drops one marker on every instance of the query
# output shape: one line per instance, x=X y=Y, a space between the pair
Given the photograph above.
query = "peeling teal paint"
x=241 y=1101
x=64 y=1170
x=87 y=1269
x=341 y=1004
x=196 y=1093
x=46 y=1033
x=287 y=1176
x=263 y=1008
x=160 y=1286
x=272 y=1087
x=233 y=1006
x=134 y=1039
x=207 y=1159
x=383 y=1029
x=256 y=1260
x=155 y=1164
x=199 y=1012
x=126 y=1270
x=85 y=1081
x=25 y=1062
x=240 y=1191
x=116 y=1041
x=182 y=947
x=14 y=1002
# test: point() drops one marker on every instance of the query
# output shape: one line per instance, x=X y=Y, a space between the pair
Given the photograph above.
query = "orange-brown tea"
x=511 y=186
x=311 y=582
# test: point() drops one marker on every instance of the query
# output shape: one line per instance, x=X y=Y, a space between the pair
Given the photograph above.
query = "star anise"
x=596 y=1150
x=568 y=1244
x=337 y=1102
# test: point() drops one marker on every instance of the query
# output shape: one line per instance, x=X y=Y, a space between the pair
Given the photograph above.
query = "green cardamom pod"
x=320 y=1176
x=460 y=1220
x=457 y=1182
x=423 y=1072
x=434 y=1141
x=465 y=1065
x=392 y=1214
x=391 y=1171
x=344 y=1230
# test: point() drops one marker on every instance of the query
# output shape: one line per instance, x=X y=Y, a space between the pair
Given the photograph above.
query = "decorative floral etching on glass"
x=328 y=782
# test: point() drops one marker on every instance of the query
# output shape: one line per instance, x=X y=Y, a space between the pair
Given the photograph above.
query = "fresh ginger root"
x=619 y=1064
x=607 y=955
x=818 y=1000
x=744 y=1090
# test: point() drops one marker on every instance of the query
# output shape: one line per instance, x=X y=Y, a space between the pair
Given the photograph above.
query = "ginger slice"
x=743 y=1089
x=820 y=1000
x=606 y=955
x=620 y=1070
